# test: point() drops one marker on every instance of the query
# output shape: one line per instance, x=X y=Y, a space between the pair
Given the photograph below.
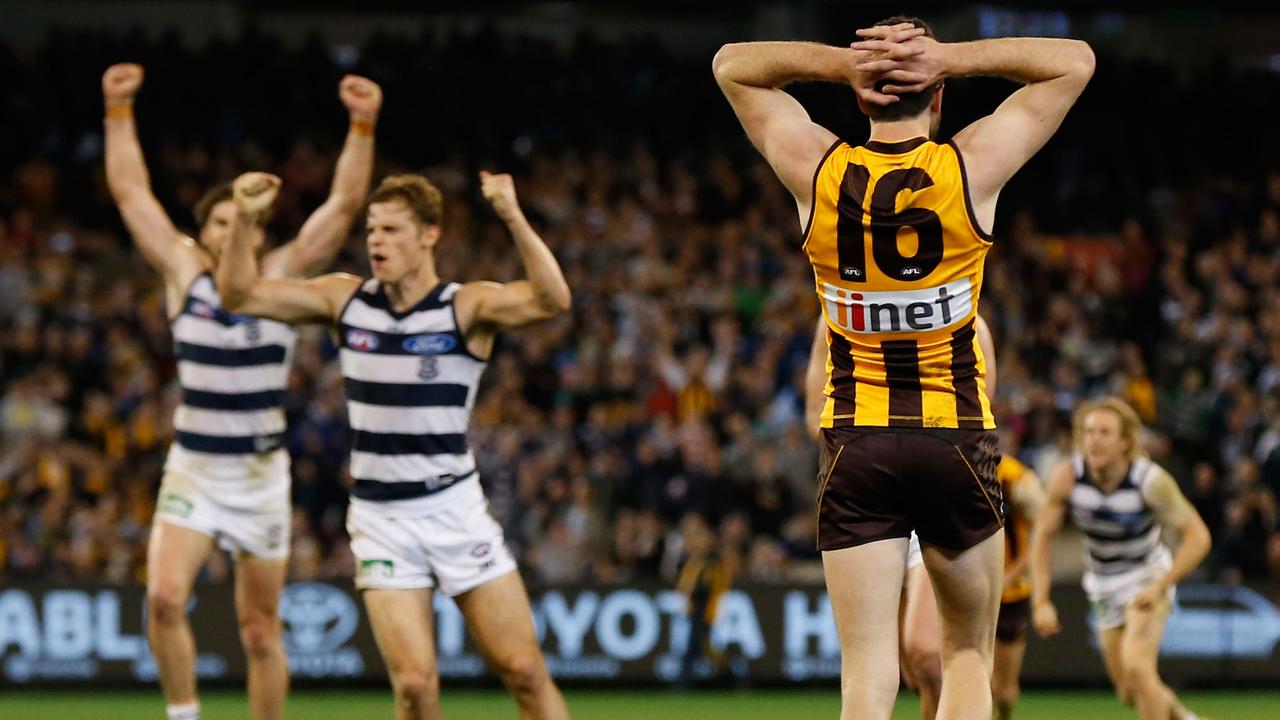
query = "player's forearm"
x=1191 y=551
x=774 y=64
x=1041 y=561
x=540 y=265
x=126 y=169
x=1025 y=60
x=238 y=265
x=354 y=169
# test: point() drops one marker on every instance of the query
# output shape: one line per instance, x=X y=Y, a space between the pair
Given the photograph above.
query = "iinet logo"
x=901 y=311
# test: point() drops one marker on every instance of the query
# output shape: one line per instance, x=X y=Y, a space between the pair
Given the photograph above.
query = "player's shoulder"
x=1010 y=470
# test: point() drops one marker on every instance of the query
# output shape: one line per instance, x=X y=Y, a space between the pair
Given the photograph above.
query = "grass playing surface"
x=606 y=705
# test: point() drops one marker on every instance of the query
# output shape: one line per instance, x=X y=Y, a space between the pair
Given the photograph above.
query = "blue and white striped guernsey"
x=233 y=371
x=411 y=385
x=1121 y=531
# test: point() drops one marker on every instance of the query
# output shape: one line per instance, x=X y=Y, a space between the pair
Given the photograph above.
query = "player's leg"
x=403 y=628
x=921 y=641
x=967 y=585
x=259 y=584
x=500 y=621
x=864 y=584
x=1011 y=647
x=1139 y=651
x=1110 y=640
x=174 y=556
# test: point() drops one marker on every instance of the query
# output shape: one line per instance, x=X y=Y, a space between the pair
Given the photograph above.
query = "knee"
x=166 y=604
x=924 y=663
x=524 y=674
x=260 y=633
x=1142 y=680
x=416 y=688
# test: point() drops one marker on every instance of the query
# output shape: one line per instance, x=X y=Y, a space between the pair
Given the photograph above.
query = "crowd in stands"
x=1131 y=258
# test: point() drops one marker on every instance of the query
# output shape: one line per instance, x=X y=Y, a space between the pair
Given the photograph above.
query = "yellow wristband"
x=119 y=110
x=362 y=128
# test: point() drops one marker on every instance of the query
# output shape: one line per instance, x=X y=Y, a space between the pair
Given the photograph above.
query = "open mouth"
x=377 y=258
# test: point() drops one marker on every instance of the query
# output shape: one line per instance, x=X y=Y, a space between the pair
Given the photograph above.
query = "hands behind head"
x=900 y=57
x=255 y=192
x=361 y=96
x=120 y=82
x=500 y=191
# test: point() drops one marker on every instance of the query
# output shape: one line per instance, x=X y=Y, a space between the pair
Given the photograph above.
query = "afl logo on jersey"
x=203 y=309
x=362 y=340
x=436 y=344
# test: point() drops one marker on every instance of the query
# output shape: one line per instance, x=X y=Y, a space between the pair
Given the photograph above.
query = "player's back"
x=898 y=261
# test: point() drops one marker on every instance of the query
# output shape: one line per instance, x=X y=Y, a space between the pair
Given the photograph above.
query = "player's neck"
x=892 y=131
x=1110 y=475
x=413 y=287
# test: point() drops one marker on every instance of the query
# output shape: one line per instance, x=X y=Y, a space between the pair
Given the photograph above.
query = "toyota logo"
x=317 y=618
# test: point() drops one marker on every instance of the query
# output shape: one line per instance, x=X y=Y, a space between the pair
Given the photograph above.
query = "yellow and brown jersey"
x=1017 y=529
x=897 y=257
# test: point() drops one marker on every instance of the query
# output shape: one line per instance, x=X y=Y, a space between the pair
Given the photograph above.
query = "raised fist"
x=361 y=96
x=254 y=192
x=120 y=82
x=500 y=191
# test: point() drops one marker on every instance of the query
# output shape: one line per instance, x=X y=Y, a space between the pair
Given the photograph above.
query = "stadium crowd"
x=671 y=395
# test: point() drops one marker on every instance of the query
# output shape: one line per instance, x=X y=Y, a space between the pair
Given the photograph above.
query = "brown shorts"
x=1015 y=617
x=880 y=483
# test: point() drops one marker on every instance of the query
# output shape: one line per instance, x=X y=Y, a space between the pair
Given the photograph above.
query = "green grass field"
x=606 y=705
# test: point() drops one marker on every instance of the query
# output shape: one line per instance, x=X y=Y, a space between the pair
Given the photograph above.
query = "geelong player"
x=227 y=475
x=897 y=231
x=1122 y=501
x=413 y=348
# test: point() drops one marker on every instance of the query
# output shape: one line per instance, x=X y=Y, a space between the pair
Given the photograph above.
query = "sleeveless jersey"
x=897 y=257
x=411 y=385
x=1017 y=529
x=233 y=371
x=1121 y=532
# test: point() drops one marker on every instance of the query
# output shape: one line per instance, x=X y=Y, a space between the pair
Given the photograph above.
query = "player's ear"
x=430 y=235
x=936 y=104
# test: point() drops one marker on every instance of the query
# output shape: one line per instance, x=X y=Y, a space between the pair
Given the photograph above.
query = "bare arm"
x=1174 y=511
x=245 y=292
x=1047 y=525
x=1054 y=73
x=325 y=231
x=161 y=244
x=1028 y=497
x=988 y=352
x=815 y=379
x=544 y=295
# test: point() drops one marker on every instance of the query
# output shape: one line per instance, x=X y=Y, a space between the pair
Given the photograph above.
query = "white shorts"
x=1110 y=595
x=455 y=545
x=216 y=507
x=914 y=557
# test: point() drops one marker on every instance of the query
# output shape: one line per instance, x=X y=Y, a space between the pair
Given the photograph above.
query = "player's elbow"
x=723 y=62
x=234 y=298
x=558 y=302
x=1082 y=60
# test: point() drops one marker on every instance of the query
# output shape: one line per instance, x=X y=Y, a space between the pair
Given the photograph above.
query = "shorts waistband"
x=377 y=490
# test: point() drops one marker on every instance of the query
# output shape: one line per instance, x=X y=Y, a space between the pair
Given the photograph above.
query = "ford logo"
x=430 y=344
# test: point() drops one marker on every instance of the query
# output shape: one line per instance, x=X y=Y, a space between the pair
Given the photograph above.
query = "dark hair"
x=204 y=206
x=910 y=104
x=417 y=192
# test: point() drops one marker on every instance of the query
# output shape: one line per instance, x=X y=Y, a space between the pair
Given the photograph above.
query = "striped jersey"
x=1121 y=531
x=897 y=258
x=411 y=385
x=233 y=371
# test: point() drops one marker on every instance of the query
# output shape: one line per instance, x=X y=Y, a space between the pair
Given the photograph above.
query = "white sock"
x=190 y=711
x=1190 y=716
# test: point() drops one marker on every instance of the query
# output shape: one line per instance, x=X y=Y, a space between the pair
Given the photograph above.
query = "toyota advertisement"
x=56 y=635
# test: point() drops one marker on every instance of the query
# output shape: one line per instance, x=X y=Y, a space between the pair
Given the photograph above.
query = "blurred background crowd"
x=1138 y=255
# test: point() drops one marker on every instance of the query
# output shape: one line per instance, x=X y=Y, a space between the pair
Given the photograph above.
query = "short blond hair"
x=1130 y=423
x=423 y=198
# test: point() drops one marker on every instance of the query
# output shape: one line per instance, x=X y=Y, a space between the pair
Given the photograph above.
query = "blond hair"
x=1130 y=423
x=415 y=191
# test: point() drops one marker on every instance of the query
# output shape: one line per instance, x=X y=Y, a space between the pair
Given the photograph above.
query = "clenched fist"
x=120 y=82
x=362 y=98
x=500 y=191
x=254 y=192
